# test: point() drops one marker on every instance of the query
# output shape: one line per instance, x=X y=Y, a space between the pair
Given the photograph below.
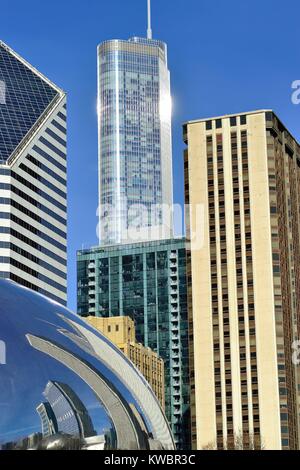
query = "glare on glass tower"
x=135 y=155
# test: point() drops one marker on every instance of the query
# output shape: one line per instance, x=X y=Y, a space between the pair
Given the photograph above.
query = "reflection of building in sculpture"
x=129 y=435
x=57 y=346
x=121 y=331
x=48 y=420
x=70 y=413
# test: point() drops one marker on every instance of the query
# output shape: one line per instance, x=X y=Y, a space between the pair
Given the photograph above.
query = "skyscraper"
x=244 y=281
x=48 y=419
x=70 y=413
x=33 y=212
x=135 y=155
x=139 y=270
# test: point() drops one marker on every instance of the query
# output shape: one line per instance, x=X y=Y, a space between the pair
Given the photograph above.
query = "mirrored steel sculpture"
x=63 y=385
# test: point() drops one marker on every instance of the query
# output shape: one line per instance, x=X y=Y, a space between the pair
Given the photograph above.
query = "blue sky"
x=224 y=56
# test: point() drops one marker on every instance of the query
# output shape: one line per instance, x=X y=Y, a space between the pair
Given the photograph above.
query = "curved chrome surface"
x=63 y=385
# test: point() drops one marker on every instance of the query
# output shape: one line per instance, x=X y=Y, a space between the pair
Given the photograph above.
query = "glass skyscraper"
x=33 y=186
x=135 y=156
x=147 y=282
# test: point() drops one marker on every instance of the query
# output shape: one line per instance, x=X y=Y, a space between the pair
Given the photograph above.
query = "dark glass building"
x=146 y=281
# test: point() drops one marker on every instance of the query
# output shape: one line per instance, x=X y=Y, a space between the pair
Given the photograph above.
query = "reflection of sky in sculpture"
x=28 y=370
x=14 y=384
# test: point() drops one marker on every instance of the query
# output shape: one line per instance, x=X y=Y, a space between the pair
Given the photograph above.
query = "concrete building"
x=244 y=280
x=121 y=331
x=147 y=282
x=33 y=199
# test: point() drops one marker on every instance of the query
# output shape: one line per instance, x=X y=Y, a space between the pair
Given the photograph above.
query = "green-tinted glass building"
x=146 y=281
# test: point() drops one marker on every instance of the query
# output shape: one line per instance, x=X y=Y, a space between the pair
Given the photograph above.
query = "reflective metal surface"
x=63 y=385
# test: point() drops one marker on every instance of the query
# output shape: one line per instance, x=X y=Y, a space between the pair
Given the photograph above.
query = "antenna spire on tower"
x=149 y=30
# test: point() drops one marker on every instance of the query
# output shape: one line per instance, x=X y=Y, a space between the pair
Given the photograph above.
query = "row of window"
x=32 y=272
x=36 y=204
x=38 y=191
x=30 y=285
x=33 y=258
x=48 y=157
x=233 y=122
x=42 y=180
x=32 y=244
x=34 y=230
x=38 y=219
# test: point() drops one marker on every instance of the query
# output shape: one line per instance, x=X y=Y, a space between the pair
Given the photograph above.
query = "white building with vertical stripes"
x=33 y=186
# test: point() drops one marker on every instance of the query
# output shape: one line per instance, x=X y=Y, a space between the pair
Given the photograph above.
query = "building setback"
x=147 y=282
x=244 y=281
x=121 y=331
x=33 y=200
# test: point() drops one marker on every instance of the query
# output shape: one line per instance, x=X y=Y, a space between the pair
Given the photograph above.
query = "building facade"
x=147 y=282
x=33 y=200
x=135 y=155
x=71 y=415
x=244 y=281
x=48 y=420
x=121 y=331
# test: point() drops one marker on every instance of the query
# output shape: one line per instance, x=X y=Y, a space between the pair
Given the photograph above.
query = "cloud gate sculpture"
x=63 y=385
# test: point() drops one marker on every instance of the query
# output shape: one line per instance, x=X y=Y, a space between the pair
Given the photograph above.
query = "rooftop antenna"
x=149 y=30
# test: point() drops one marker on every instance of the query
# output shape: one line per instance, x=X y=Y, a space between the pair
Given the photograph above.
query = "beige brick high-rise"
x=244 y=280
x=121 y=331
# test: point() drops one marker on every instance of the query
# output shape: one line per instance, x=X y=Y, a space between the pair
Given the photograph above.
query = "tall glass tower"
x=135 y=155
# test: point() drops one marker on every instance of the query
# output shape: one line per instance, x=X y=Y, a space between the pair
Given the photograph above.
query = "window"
x=243 y=120
x=218 y=123
x=269 y=116
x=117 y=327
x=233 y=121
x=208 y=125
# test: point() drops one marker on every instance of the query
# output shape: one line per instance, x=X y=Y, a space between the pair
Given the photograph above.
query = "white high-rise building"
x=33 y=199
x=135 y=151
